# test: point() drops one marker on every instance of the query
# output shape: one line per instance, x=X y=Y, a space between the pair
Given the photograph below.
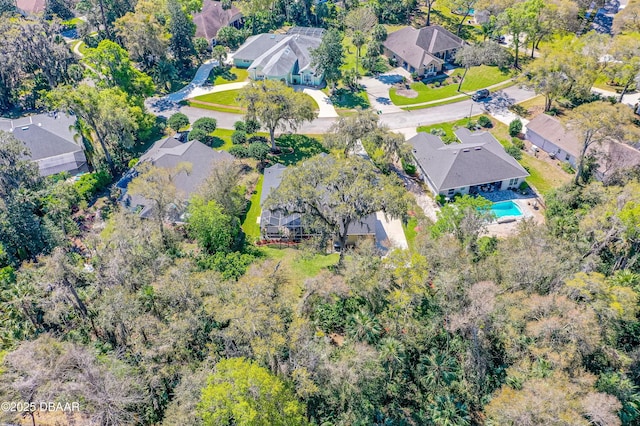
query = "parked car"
x=481 y=94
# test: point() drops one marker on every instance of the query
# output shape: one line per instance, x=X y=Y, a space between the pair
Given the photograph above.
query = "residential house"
x=51 y=142
x=282 y=57
x=275 y=224
x=550 y=135
x=213 y=17
x=423 y=51
x=169 y=153
x=477 y=164
x=31 y=7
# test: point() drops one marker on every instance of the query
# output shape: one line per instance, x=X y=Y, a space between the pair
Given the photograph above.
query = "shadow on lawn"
x=296 y=148
x=344 y=98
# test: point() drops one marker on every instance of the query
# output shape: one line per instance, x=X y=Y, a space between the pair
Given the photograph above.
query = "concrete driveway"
x=324 y=103
x=389 y=233
x=378 y=89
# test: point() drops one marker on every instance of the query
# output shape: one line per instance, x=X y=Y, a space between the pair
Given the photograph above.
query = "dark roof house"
x=51 y=143
x=213 y=17
x=169 y=153
x=423 y=49
x=273 y=223
x=478 y=163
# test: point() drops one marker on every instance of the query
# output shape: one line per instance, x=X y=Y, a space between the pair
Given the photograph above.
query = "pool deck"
x=508 y=225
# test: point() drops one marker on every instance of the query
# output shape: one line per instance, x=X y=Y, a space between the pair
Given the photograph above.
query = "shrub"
x=207 y=124
x=515 y=127
x=258 y=151
x=260 y=139
x=471 y=125
x=239 y=137
x=567 y=168
x=484 y=121
x=90 y=184
x=251 y=126
x=523 y=186
x=408 y=167
x=178 y=121
x=239 y=151
x=199 y=134
x=518 y=143
x=438 y=132
x=132 y=163
x=240 y=125
x=515 y=152
x=440 y=199
x=415 y=76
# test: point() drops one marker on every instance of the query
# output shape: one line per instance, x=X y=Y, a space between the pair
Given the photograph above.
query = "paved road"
x=499 y=101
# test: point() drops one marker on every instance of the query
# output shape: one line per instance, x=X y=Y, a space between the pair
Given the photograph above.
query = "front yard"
x=225 y=101
x=230 y=75
x=446 y=87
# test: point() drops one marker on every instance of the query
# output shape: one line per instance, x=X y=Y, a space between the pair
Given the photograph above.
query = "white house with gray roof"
x=282 y=57
x=477 y=164
x=50 y=141
x=423 y=51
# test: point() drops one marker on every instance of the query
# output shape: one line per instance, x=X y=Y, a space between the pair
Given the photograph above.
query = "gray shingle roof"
x=169 y=153
x=213 y=17
x=418 y=46
x=554 y=131
x=50 y=142
x=256 y=45
x=478 y=159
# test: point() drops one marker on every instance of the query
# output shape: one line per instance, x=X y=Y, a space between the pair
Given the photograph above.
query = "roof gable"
x=418 y=46
x=551 y=129
x=478 y=159
x=213 y=17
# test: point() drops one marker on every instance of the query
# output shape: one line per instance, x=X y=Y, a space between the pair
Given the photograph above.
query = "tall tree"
x=462 y=8
x=113 y=120
x=625 y=69
x=595 y=123
x=144 y=34
x=114 y=69
x=276 y=106
x=429 y=4
x=328 y=58
x=485 y=53
x=333 y=194
x=182 y=30
x=516 y=21
x=156 y=184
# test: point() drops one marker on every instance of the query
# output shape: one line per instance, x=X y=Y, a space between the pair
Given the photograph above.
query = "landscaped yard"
x=82 y=46
x=477 y=78
x=303 y=146
x=231 y=75
x=301 y=264
x=344 y=100
x=225 y=101
x=250 y=226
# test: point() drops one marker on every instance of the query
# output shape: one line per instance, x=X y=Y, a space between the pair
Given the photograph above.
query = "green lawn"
x=227 y=97
x=300 y=264
x=454 y=100
x=303 y=147
x=448 y=127
x=477 y=78
x=83 y=46
x=347 y=100
x=410 y=231
x=232 y=75
x=72 y=22
x=225 y=101
x=250 y=226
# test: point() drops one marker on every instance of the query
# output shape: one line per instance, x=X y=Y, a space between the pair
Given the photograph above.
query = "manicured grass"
x=303 y=147
x=346 y=99
x=228 y=97
x=543 y=176
x=301 y=265
x=232 y=75
x=225 y=101
x=222 y=138
x=73 y=22
x=410 y=232
x=83 y=46
x=454 y=100
x=250 y=226
x=477 y=78
x=448 y=127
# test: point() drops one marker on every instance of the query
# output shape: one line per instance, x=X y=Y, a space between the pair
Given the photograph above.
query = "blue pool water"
x=506 y=208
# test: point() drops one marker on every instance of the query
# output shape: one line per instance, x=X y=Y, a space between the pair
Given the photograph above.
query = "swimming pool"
x=506 y=208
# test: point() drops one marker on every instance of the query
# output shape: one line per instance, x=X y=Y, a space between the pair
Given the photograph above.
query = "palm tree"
x=437 y=370
x=391 y=353
x=446 y=411
x=364 y=326
x=358 y=40
x=82 y=134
